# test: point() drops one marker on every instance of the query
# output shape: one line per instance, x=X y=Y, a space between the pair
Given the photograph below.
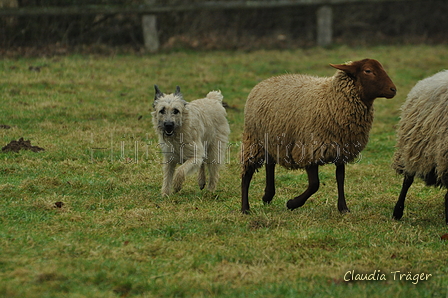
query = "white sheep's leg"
x=201 y=177
x=168 y=172
x=340 y=177
x=399 y=206
x=269 y=190
x=446 y=208
x=187 y=168
x=313 y=186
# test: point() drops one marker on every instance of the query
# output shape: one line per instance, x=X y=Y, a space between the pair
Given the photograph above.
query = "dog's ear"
x=179 y=94
x=158 y=92
x=158 y=95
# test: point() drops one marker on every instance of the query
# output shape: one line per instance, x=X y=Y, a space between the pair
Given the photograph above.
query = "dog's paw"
x=177 y=183
x=166 y=193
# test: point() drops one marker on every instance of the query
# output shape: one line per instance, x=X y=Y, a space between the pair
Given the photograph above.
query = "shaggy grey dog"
x=191 y=134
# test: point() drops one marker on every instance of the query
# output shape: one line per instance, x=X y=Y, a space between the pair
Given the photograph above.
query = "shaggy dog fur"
x=191 y=134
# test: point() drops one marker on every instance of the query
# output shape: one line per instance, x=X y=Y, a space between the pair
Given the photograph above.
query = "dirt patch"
x=16 y=146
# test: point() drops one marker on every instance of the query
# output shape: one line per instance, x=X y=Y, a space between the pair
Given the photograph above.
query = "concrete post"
x=149 y=26
x=324 y=26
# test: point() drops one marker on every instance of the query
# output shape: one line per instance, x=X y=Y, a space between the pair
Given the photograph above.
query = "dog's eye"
x=175 y=111
x=162 y=111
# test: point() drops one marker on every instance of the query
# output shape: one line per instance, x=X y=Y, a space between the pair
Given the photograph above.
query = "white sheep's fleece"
x=422 y=134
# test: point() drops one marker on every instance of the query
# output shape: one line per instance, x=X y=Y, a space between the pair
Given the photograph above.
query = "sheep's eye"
x=367 y=71
x=162 y=111
x=175 y=111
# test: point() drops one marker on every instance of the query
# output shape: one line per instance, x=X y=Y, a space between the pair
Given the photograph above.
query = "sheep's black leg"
x=446 y=208
x=399 y=206
x=245 y=182
x=313 y=186
x=269 y=191
x=340 y=177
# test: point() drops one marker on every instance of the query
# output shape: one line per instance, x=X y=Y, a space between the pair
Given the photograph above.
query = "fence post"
x=149 y=26
x=324 y=25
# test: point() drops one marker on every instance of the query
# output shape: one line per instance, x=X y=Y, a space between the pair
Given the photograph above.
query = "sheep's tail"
x=216 y=95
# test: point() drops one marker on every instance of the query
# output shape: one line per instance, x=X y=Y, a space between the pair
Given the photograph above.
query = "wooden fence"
x=149 y=11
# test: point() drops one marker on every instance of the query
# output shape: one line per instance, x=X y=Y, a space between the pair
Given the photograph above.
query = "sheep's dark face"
x=371 y=79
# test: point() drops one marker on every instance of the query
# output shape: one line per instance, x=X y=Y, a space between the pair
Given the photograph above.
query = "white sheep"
x=301 y=121
x=422 y=138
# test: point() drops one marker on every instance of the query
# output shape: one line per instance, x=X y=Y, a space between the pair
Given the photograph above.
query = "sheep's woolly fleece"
x=332 y=123
x=422 y=134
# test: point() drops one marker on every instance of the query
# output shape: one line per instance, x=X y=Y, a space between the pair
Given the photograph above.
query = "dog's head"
x=168 y=111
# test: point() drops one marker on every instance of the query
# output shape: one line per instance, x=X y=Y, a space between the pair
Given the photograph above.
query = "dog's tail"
x=216 y=95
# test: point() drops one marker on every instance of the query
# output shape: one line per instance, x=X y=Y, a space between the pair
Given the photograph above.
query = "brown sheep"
x=301 y=121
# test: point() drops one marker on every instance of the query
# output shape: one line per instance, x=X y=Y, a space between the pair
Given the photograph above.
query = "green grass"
x=115 y=236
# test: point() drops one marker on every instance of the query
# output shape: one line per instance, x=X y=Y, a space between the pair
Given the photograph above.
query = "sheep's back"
x=422 y=134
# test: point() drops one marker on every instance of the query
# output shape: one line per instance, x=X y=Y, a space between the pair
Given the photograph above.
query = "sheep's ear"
x=158 y=95
x=348 y=68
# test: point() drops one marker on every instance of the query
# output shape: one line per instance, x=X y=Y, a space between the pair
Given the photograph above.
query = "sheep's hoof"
x=398 y=213
x=267 y=199
x=344 y=211
x=295 y=203
x=291 y=205
x=397 y=217
x=245 y=211
x=201 y=186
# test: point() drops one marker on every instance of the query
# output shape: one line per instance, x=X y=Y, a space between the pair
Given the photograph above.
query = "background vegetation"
x=366 y=23
x=84 y=218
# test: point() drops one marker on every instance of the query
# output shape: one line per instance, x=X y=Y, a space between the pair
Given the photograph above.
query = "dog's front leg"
x=168 y=172
x=190 y=166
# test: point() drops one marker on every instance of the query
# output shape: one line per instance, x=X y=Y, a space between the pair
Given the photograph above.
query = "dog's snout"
x=169 y=127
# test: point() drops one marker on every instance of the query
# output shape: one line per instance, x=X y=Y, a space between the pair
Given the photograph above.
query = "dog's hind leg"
x=213 y=170
x=168 y=172
x=201 y=177
x=216 y=158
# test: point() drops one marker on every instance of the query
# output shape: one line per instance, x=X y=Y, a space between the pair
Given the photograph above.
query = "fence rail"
x=154 y=9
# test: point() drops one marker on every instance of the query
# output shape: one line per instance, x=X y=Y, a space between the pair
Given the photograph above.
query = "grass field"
x=113 y=235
